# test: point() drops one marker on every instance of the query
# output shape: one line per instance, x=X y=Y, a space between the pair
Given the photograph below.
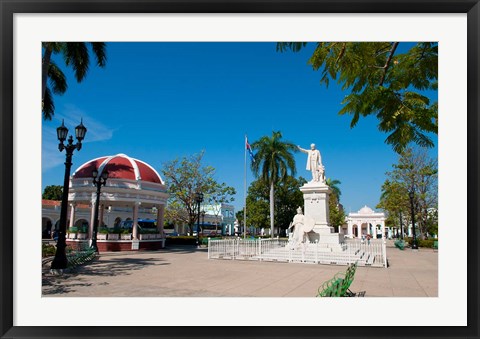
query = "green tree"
x=333 y=184
x=272 y=162
x=394 y=202
x=385 y=81
x=77 y=56
x=287 y=198
x=337 y=213
x=53 y=192
x=415 y=172
x=184 y=177
x=223 y=194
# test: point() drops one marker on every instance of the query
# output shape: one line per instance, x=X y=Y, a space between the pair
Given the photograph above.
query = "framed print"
x=177 y=74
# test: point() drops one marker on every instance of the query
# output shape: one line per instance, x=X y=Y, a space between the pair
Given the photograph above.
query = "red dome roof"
x=119 y=166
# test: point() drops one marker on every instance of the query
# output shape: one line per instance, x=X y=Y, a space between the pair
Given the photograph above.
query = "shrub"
x=428 y=243
x=103 y=230
x=48 y=250
x=73 y=229
x=148 y=231
x=181 y=240
x=115 y=230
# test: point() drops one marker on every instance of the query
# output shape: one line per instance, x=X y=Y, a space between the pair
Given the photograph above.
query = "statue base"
x=316 y=197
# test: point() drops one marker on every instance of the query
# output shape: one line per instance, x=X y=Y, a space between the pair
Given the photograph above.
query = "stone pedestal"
x=315 y=196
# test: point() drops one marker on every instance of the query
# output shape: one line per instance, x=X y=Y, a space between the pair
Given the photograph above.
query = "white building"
x=134 y=190
x=365 y=222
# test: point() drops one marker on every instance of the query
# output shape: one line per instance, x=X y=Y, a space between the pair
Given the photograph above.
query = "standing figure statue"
x=299 y=234
x=314 y=163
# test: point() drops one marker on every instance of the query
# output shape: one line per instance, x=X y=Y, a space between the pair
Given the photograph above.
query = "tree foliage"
x=77 y=56
x=337 y=213
x=288 y=198
x=53 y=192
x=384 y=82
x=184 y=177
x=415 y=172
x=273 y=162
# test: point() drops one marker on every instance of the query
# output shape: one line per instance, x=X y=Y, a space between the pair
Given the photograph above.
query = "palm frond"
x=76 y=56
x=48 y=107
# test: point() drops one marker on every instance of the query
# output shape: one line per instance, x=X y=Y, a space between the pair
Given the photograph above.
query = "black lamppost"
x=198 y=199
x=98 y=181
x=414 y=241
x=60 y=261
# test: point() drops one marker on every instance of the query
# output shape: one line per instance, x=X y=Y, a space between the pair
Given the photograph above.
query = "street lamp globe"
x=62 y=132
x=80 y=131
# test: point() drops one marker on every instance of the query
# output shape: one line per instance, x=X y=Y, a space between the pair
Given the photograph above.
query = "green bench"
x=339 y=285
x=400 y=244
x=76 y=258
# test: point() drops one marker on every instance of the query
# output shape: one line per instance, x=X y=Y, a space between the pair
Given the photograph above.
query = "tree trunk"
x=272 y=202
x=45 y=64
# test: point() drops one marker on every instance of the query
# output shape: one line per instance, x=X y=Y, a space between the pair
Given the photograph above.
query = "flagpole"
x=245 y=193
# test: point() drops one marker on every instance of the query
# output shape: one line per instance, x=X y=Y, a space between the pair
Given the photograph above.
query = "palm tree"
x=333 y=184
x=273 y=160
x=76 y=55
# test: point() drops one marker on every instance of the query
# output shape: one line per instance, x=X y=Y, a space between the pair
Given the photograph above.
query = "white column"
x=72 y=215
x=350 y=228
x=92 y=217
x=160 y=218
x=382 y=225
x=135 y=220
x=100 y=221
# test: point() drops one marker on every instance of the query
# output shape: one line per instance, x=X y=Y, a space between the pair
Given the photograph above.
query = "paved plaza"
x=185 y=271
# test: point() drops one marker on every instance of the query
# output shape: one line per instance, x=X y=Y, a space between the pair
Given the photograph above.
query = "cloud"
x=96 y=131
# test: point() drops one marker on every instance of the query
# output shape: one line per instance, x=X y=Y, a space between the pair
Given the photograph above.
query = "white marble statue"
x=314 y=163
x=299 y=235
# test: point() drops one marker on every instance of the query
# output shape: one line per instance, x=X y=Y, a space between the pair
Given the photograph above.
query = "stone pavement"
x=187 y=272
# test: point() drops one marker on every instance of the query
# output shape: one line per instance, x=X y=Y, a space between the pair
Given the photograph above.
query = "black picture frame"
x=9 y=7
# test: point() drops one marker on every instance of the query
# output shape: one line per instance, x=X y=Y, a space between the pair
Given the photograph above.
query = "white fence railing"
x=365 y=253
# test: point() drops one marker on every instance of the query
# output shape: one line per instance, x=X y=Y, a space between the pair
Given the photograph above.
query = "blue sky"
x=159 y=101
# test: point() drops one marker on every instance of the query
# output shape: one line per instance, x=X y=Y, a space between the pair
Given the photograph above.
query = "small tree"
x=287 y=198
x=222 y=194
x=53 y=192
x=415 y=172
x=184 y=177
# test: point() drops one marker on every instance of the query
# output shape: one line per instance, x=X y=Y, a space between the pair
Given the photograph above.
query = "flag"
x=249 y=149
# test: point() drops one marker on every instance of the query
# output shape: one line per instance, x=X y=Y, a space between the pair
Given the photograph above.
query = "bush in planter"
x=126 y=234
x=73 y=229
x=146 y=232
x=102 y=233
x=72 y=232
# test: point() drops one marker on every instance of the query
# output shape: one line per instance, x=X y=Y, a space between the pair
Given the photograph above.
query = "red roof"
x=119 y=166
